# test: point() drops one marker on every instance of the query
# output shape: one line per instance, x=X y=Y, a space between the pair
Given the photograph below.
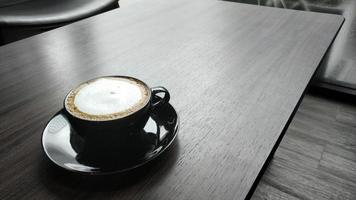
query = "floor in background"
x=317 y=156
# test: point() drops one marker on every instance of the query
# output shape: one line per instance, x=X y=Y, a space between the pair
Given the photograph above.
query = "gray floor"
x=317 y=156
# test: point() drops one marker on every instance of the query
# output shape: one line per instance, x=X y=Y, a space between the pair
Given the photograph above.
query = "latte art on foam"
x=107 y=98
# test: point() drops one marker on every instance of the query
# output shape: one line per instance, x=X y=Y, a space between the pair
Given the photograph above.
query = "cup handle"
x=157 y=102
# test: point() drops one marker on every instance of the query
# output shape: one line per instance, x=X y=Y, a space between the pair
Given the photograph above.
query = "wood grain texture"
x=235 y=73
x=296 y=174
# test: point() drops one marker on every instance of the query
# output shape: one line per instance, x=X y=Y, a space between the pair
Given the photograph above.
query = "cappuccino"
x=107 y=98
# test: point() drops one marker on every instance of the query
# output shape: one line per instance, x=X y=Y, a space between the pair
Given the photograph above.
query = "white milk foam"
x=108 y=96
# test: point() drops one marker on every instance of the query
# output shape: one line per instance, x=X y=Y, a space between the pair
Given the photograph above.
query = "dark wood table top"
x=235 y=73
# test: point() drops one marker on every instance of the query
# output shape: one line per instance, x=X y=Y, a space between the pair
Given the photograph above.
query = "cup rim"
x=108 y=120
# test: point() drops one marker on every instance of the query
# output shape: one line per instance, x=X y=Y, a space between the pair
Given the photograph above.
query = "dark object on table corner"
x=24 y=18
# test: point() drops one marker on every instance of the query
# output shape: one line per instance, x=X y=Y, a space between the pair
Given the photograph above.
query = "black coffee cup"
x=117 y=129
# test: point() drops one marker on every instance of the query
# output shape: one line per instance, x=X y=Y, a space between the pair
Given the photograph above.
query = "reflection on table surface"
x=339 y=66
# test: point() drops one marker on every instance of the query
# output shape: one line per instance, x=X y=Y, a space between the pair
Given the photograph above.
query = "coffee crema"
x=107 y=98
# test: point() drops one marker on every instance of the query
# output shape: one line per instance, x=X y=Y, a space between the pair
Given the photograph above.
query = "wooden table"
x=235 y=73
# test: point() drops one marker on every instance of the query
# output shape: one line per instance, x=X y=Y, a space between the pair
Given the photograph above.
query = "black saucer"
x=58 y=141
